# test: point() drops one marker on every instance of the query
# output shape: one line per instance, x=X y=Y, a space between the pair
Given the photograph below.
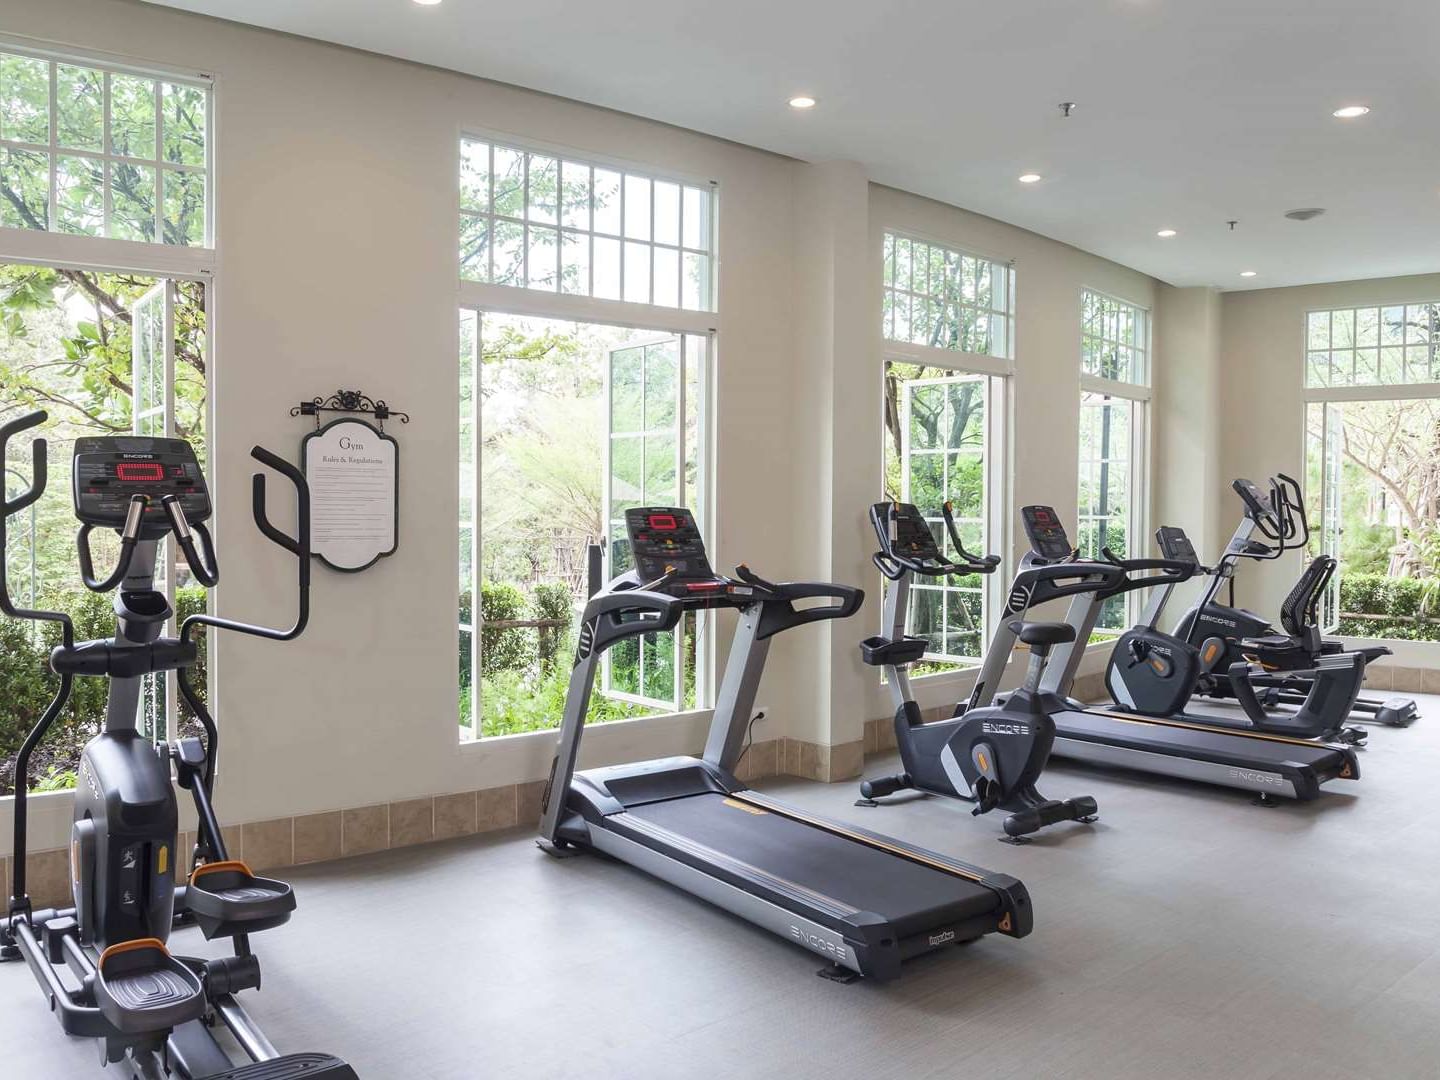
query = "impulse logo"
x=942 y=938
x=1020 y=598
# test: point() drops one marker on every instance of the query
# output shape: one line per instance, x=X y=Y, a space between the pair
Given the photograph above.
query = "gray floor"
x=1187 y=934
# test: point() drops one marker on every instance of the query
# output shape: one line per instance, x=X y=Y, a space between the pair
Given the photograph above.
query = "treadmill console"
x=666 y=542
x=1175 y=545
x=1257 y=503
x=109 y=470
x=904 y=531
x=1045 y=533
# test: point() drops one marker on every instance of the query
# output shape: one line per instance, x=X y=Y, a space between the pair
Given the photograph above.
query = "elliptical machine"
x=992 y=756
x=153 y=1012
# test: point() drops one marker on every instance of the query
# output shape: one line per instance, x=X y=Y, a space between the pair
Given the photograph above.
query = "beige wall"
x=335 y=175
x=1262 y=412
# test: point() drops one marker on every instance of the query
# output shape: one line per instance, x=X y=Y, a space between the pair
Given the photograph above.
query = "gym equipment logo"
x=1256 y=778
x=815 y=943
x=1004 y=727
x=942 y=938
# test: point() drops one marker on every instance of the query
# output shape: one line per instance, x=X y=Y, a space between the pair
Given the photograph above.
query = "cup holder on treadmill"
x=142 y=989
x=227 y=899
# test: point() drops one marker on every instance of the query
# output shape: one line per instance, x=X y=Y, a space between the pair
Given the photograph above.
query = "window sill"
x=521 y=737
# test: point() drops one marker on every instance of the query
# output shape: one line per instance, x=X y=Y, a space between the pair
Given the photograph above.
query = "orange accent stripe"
x=216 y=867
x=133 y=946
x=795 y=815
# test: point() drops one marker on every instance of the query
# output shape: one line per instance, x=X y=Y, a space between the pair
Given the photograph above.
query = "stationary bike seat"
x=1043 y=633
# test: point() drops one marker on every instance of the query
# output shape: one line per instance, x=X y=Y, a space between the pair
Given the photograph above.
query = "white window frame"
x=1318 y=505
x=543 y=303
x=50 y=247
x=992 y=521
x=999 y=403
x=486 y=299
x=1140 y=396
x=995 y=363
x=1373 y=391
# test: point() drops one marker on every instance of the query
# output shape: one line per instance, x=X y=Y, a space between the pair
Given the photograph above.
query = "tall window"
x=546 y=222
x=103 y=354
x=1372 y=389
x=569 y=418
x=949 y=330
x=1114 y=382
x=95 y=150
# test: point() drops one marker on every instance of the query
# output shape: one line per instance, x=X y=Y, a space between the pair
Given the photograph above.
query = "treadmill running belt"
x=1229 y=747
x=913 y=896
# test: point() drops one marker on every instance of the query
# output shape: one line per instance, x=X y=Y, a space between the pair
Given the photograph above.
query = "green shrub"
x=552 y=600
x=1363 y=594
x=502 y=649
x=1405 y=596
x=1367 y=549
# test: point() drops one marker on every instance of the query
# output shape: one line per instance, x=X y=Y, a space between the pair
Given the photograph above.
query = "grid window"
x=1108 y=430
x=1386 y=345
x=1114 y=339
x=550 y=223
x=94 y=151
x=945 y=299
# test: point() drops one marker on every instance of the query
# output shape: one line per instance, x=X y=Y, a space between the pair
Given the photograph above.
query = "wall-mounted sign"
x=353 y=470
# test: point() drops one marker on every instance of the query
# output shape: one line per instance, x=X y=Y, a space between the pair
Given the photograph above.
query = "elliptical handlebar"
x=9 y=507
x=129 y=537
x=298 y=545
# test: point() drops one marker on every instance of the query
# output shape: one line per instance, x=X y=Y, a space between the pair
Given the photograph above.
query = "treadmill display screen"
x=666 y=541
x=1045 y=533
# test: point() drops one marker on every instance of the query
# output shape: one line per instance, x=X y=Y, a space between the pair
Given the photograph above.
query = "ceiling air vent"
x=1305 y=213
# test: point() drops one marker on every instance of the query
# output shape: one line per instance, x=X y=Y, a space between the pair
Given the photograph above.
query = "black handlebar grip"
x=38 y=459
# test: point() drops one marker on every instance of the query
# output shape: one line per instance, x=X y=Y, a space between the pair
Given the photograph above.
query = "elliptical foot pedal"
x=292 y=1067
x=226 y=899
x=836 y=973
x=142 y=989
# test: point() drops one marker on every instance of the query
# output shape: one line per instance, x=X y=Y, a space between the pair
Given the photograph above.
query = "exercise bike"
x=1156 y=674
x=1227 y=635
x=104 y=964
x=991 y=756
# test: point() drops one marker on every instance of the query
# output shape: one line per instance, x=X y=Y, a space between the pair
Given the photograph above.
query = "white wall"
x=335 y=195
x=1262 y=425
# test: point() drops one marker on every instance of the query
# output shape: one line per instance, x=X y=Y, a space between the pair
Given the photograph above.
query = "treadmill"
x=863 y=901
x=1271 y=766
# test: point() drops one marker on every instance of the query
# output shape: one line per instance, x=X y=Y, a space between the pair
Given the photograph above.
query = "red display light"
x=138 y=472
x=663 y=522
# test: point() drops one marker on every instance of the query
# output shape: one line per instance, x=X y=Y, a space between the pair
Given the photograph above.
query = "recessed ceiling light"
x=803 y=101
x=1247 y=273
x=1030 y=178
x=1350 y=112
x=1166 y=233
x=427 y=3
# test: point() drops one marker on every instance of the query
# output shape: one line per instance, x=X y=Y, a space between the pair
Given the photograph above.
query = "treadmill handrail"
x=780 y=612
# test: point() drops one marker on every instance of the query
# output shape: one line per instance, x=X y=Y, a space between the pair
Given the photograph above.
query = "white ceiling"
x=1190 y=112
